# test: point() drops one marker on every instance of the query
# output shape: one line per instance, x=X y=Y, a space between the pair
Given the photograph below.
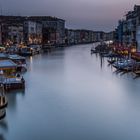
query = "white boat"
x=123 y=63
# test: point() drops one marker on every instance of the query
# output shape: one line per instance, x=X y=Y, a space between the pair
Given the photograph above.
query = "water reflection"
x=71 y=95
x=2 y=137
x=136 y=77
x=12 y=98
x=4 y=125
x=102 y=61
x=3 y=129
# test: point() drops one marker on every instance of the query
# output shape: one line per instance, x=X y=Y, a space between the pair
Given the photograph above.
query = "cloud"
x=93 y=14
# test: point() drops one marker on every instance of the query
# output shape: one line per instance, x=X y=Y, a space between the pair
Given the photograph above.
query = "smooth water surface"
x=73 y=95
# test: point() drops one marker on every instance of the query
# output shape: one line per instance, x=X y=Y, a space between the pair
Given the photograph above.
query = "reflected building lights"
x=31 y=59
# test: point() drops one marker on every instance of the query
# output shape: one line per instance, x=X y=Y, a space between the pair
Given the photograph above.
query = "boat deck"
x=13 y=83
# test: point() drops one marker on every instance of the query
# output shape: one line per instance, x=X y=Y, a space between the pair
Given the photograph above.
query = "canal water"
x=73 y=95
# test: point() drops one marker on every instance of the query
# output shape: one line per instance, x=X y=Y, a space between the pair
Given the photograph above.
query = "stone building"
x=53 y=29
x=128 y=29
x=32 y=32
x=36 y=29
x=11 y=29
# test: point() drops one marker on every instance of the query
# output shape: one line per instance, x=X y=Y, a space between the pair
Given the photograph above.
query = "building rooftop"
x=49 y=18
x=16 y=57
x=11 y=19
x=7 y=64
x=21 y=19
x=2 y=55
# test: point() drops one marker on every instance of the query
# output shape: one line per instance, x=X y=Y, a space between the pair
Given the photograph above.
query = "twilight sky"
x=85 y=14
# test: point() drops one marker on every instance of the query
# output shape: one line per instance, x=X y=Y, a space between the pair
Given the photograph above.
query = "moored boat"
x=20 y=61
x=111 y=61
x=93 y=50
x=121 y=64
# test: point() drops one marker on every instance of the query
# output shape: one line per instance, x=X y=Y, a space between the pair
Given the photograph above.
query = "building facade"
x=0 y=36
x=128 y=29
x=11 y=29
x=53 y=29
x=32 y=32
x=87 y=36
x=36 y=29
x=15 y=34
x=69 y=36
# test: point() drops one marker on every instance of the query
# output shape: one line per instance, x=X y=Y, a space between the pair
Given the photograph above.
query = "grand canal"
x=73 y=95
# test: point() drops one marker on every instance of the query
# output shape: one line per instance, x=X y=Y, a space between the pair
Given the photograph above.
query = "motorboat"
x=122 y=63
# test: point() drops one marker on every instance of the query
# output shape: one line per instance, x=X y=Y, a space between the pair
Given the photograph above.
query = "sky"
x=79 y=14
